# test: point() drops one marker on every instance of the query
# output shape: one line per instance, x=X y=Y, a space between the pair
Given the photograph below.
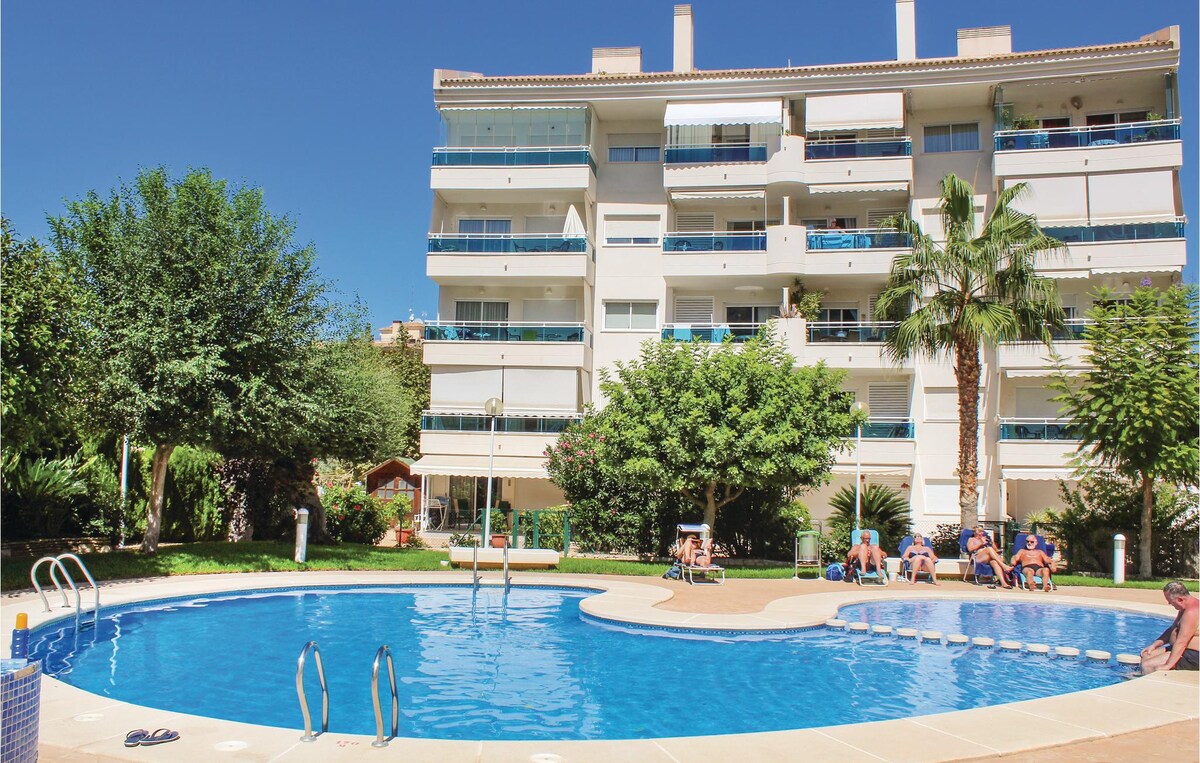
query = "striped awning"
x=1044 y=474
x=857 y=188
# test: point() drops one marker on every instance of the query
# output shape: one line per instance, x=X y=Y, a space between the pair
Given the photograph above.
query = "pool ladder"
x=475 y=578
x=383 y=653
x=56 y=564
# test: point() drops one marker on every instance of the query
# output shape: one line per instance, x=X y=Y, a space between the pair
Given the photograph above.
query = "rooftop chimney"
x=616 y=60
x=984 y=41
x=683 y=39
x=906 y=30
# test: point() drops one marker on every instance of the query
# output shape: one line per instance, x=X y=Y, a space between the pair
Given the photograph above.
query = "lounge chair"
x=976 y=571
x=681 y=569
x=906 y=570
x=875 y=575
x=1042 y=545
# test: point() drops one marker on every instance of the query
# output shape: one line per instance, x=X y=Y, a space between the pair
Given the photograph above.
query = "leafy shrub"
x=761 y=524
x=550 y=528
x=945 y=541
x=836 y=542
x=38 y=493
x=882 y=509
x=402 y=505
x=194 y=498
x=463 y=540
x=353 y=516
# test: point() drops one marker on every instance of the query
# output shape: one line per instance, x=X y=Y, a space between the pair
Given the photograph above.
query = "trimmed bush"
x=353 y=516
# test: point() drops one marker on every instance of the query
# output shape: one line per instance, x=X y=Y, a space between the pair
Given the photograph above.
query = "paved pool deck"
x=1156 y=716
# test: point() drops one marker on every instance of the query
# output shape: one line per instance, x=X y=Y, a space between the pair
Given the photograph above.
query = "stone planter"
x=498 y=540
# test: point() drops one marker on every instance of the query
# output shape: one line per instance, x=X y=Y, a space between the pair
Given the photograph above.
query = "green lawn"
x=198 y=558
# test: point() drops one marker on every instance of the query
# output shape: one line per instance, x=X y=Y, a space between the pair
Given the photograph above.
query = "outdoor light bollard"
x=1118 y=558
x=301 y=535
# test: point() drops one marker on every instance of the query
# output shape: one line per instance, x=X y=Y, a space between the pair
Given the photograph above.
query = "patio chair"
x=876 y=575
x=976 y=571
x=1045 y=547
x=682 y=569
x=906 y=570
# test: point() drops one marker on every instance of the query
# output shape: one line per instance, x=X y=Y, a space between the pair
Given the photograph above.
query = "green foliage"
x=402 y=506
x=762 y=524
x=978 y=287
x=550 y=529
x=835 y=544
x=37 y=493
x=458 y=540
x=1106 y=504
x=194 y=497
x=804 y=303
x=1134 y=405
x=354 y=516
x=705 y=423
x=944 y=541
x=404 y=358
x=882 y=509
x=41 y=334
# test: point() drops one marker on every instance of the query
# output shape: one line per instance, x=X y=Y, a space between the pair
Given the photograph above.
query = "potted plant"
x=499 y=529
x=1025 y=122
x=403 y=507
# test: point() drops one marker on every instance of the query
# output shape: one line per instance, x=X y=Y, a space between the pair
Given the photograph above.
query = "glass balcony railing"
x=1037 y=429
x=1071 y=331
x=857 y=238
x=858 y=149
x=821 y=332
x=888 y=429
x=715 y=153
x=1080 y=137
x=711 y=333
x=732 y=241
x=1088 y=234
x=506 y=243
x=485 y=331
x=478 y=422
x=512 y=156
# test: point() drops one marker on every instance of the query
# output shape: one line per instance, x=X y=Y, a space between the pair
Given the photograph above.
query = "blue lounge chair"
x=976 y=571
x=1042 y=545
x=876 y=575
x=906 y=571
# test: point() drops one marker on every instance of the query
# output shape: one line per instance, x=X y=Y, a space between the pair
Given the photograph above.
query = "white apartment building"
x=577 y=216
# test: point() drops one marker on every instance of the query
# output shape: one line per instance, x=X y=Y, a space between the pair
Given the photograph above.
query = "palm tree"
x=974 y=288
x=882 y=508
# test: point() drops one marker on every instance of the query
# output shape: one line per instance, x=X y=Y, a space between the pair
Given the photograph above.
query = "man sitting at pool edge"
x=1031 y=561
x=1178 y=648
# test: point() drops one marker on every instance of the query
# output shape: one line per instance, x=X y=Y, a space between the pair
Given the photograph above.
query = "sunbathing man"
x=864 y=553
x=1033 y=561
x=921 y=557
x=1178 y=648
x=695 y=552
x=980 y=547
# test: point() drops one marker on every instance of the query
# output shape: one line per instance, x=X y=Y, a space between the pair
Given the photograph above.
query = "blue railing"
x=505 y=243
x=711 y=333
x=822 y=332
x=1087 y=234
x=858 y=149
x=888 y=429
x=723 y=153
x=478 y=422
x=488 y=331
x=737 y=241
x=1095 y=135
x=512 y=156
x=1037 y=429
x=857 y=238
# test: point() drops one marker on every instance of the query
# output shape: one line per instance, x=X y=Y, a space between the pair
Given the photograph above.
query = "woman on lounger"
x=980 y=547
x=695 y=552
x=1033 y=561
x=921 y=558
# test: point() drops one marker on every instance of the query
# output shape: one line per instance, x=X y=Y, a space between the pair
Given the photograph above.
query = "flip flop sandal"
x=135 y=737
x=160 y=736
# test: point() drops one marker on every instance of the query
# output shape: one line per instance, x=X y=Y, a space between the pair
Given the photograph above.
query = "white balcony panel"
x=461 y=268
x=740 y=175
x=478 y=466
x=508 y=444
x=473 y=353
x=1148 y=256
x=890 y=174
x=788 y=253
x=573 y=177
x=847 y=355
x=724 y=113
x=895 y=453
x=463 y=389
x=1034 y=355
x=1166 y=154
x=857 y=111
x=1055 y=454
x=679 y=267
x=541 y=389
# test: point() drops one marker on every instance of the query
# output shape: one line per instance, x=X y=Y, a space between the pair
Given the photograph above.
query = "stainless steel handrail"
x=56 y=564
x=475 y=566
x=308 y=735
x=384 y=651
x=95 y=588
x=507 y=577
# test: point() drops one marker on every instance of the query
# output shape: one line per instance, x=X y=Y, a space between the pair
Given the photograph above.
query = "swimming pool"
x=526 y=666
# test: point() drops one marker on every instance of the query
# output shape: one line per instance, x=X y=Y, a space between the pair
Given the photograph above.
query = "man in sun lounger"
x=1178 y=648
x=864 y=554
x=1031 y=561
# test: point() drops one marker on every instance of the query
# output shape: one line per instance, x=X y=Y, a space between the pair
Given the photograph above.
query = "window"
x=624 y=154
x=838 y=314
x=829 y=223
x=489 y=312
x=636 y=316
x=485 y=226
x=941 y=139
x=1124 y=117
x=632 y=230
x=735 y=134
x=748 y=226
x=751 y=313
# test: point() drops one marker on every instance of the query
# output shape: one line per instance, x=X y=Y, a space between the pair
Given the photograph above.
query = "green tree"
x=404 y=356
x=707 y=423
x=202 y=309
x=975 y=288
x=1134 y=407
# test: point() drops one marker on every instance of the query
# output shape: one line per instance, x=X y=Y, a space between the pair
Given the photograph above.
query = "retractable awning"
x=1137 y=269
x=524 y=107
x=861 y=111
x=1037 y=373
x=903 y=471
x=1043 y=474
x=724 y=113
x=857 y=187
x=477 y=466
x=709 y=195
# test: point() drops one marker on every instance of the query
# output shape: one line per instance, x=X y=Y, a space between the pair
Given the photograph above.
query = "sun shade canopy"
x=477 y=466
x=724 y=113
x=862 y=111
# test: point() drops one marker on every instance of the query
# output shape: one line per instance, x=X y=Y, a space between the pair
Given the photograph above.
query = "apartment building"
x=577 y=216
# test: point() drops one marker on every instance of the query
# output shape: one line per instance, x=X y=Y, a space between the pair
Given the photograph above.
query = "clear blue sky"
x=328 y=106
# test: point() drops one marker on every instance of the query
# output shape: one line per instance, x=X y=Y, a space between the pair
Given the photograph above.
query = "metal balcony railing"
x=863 y=332
x=856 y=238
x=710 y=332
x=1094 y=135
x=715 y=153
x=716 y=241
x=870 y=148
x=512 y=156
x=506 y=243
x=1089 y=234
x=886 y=428
x=1037 y=429
x=507 y=331
x=479 y=422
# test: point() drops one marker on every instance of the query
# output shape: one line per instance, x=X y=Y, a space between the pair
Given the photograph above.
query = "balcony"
x=737 y=241
x=1091 y=234
x=534 y=345
x=717 y=254
x=861 y=332
x=794 y=249
x=715 y=153
x=1127 y=147
x=1037 y=429
x=469 y=434
x=547 y=258
x=880 y=168
x=513 y=168
x=708 y=166
x=710 y=333
x=856 y=238
x=1068 y=345
x=478 y=422
x=1039 y=443
x=857 y=149
x=888 y=429
x=1120 y=248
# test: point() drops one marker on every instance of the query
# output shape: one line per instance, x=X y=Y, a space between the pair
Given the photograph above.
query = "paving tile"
x=1006 y=730
x=903 y=740
x=804 y=744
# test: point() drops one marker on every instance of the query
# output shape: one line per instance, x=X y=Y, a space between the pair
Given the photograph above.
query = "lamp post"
x=493 y=407
x=863 y=410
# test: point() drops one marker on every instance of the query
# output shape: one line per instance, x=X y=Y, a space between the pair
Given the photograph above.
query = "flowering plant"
x=354 y=516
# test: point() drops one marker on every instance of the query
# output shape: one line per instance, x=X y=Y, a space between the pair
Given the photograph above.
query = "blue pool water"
x=530 y=666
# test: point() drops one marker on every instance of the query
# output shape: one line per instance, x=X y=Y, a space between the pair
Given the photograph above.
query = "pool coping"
x=77 y=721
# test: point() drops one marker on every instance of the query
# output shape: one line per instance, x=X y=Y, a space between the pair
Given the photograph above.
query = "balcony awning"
x=1062 y=275
x=1037 y=373
x=1137 y=269
x=903 y=471
x=724 y=113
x=857 y=187
x=862 y=111
x=708 y=195
x=525 y=107
x=477 y=466
x=1043 y=474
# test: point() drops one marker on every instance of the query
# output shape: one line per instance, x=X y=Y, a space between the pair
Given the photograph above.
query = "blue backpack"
x=834 y=572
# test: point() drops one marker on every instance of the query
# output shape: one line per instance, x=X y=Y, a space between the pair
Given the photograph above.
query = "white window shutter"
x=888 y=400
x=693 y=310
x=695 y=222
